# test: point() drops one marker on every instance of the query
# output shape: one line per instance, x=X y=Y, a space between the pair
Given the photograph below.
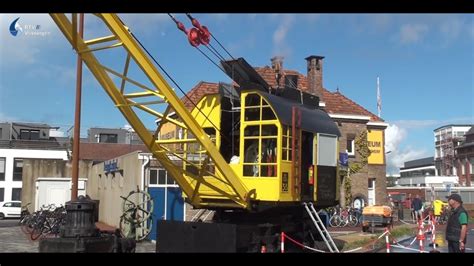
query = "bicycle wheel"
x=335 y=221
x=27 y=229
x=353 y=220
x=36 y=233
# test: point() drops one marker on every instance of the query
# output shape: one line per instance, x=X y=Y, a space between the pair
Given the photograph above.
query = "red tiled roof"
x=336 y=102
x=196 y=93
x=106 y=151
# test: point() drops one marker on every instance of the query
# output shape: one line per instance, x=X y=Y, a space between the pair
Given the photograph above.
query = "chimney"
x=315 y=75
x=277 y=66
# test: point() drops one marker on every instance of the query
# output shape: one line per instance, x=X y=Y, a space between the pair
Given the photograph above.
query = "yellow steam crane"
x=263 y=158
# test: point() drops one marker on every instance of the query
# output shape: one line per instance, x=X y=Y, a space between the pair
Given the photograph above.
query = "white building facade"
x=446 y=139
x=11 y=165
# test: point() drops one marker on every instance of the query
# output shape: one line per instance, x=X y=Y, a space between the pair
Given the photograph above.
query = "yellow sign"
x=376 y=146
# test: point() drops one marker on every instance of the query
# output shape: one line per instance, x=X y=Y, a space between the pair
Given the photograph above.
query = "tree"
x=362 y=148
x=391 y=181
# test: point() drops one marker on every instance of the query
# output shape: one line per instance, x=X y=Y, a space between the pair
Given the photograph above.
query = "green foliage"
x=362 y=148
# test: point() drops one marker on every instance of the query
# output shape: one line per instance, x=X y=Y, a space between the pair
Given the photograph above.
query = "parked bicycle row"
x=343 y=216
x=46 y=221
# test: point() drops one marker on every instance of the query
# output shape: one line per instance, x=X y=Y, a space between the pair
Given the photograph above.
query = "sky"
x=425 y=63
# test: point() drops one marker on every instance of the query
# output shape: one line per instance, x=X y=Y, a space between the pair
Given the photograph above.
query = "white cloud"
x=24 y=50
x=394 y=136
x=397 y=158
x=280 y=43
x=412 y=33
x=64 y=75
x=417 y=124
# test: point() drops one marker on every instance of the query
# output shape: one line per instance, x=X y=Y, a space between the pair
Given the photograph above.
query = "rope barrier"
x=420 y=236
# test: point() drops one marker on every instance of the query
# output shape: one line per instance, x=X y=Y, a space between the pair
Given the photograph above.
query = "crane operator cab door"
x=322 y=173
x=307 y=166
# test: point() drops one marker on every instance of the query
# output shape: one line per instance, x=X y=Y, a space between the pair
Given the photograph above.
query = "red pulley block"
x=193 y=37
x=204 y=35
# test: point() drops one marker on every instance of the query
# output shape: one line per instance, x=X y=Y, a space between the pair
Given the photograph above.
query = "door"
x=167 y=198
x=371 y=192
x=56 y=191
x=307 y=189
x=53 y=192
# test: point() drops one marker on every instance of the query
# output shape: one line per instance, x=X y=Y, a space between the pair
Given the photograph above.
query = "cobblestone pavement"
x=13 y=240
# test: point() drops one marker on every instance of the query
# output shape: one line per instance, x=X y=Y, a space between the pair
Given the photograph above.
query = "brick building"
x=464 y=159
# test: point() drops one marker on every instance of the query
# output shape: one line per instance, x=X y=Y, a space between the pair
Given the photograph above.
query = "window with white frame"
x=350 y=146
x=17 y=169
x=327 y=150
x=2 y=169
x=16 y=194
x=160 y=177
x=471 y=166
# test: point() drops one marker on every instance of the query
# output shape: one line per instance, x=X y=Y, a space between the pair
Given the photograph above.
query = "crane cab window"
x=257 y=109
x=286 y=143
x=260 y=138
x=260 y=150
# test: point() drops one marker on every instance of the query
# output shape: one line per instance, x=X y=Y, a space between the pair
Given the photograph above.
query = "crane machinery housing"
x=253 y=154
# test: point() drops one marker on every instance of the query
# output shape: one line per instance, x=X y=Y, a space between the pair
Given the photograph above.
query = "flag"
x=379 y=99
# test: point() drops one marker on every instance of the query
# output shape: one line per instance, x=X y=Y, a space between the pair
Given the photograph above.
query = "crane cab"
x=284 y=150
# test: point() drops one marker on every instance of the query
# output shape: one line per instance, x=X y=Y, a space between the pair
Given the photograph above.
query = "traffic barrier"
x=433 y=232
x=387 y=243
x=282 y=240
x=421 y=235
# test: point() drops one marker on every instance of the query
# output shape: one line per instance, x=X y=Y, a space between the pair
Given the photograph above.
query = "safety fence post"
x=282 y=247
x=387 y=242
x=421 y=235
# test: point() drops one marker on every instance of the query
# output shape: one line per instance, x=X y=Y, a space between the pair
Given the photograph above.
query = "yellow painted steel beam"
x=174 y=141
x=125 y=72
x=103 y=78
x=88 y=50
x=242 y=196
x=136 y=83
x=100 y=40
x=132 y=103
x=139 y=94
x=137 y=53
x=160 y=115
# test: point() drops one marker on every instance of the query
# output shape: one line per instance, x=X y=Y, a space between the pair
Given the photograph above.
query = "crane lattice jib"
x=127 y=100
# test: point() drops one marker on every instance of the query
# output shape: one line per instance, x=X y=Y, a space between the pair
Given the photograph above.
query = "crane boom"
x=231 y=192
